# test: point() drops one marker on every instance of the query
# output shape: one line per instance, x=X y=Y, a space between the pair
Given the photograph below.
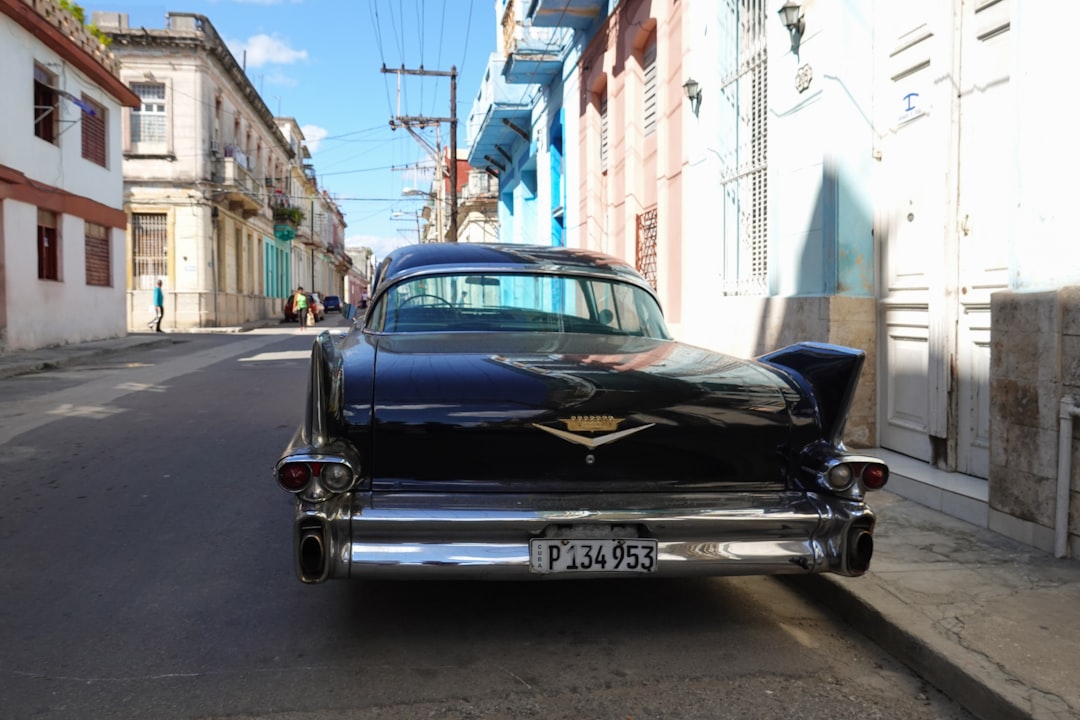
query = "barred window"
x=149 y=247
x=48 y=245
x=94 y=123
x=744 y=153
x=46 y=105
x=98 y=255
x=645 y=254
x=149 y=120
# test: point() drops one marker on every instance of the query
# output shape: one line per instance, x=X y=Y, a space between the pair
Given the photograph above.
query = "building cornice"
x=65 y=36
x=15 y=185
x=204 y=38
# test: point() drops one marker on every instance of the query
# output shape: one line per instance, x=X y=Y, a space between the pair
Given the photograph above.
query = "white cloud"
x=313 y=135
x=263 y=49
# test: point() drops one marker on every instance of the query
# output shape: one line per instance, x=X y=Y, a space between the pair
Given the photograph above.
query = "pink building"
x=631 y=141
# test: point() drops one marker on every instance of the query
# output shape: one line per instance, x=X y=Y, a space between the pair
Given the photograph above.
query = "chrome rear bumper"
x=486 y=536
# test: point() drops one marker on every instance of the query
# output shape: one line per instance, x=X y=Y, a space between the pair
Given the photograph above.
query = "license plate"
x=567 y=555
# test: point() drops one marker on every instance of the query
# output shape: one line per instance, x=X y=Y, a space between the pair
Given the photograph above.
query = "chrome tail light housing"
x=318 y=476
x=840 y=473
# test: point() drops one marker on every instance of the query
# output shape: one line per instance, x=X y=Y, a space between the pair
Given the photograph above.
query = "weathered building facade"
x=205 y=168
x=61 y=188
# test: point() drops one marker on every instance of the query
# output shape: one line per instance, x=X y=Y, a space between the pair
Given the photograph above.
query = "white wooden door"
x=913 y=149
x=985 y=206
x=948 y=193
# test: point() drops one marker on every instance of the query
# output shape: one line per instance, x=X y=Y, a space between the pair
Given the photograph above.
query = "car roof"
x=505 y=257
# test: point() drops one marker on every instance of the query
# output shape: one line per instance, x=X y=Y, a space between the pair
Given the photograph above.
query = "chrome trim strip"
x=414 y=535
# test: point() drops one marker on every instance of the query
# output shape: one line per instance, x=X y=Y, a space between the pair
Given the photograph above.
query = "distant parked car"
x=332 y=303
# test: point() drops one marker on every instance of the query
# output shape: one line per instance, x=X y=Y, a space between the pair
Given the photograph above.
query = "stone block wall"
x=1034 y=363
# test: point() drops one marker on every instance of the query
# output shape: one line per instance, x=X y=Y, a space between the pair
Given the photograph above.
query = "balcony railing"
x=536 y=54
x=244 y=193
x=501 y=115
x=577 y=14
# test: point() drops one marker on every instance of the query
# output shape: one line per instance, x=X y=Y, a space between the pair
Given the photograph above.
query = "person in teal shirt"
x=159 y=308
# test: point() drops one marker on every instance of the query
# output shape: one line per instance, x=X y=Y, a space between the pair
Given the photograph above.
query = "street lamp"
x=399 y=215
x=792 y=18
x=436 y=199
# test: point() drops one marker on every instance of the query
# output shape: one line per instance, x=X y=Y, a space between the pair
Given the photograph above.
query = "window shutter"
x=93 y=132
x=98 y=255
x=648 y=62
x=603 y=131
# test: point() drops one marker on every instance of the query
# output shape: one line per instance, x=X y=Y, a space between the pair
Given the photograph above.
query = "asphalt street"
x=148 y=574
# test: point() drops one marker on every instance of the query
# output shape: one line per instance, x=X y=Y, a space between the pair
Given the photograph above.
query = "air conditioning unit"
x=215 y=148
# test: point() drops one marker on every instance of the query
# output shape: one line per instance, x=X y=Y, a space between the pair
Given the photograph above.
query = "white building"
x=60 y=180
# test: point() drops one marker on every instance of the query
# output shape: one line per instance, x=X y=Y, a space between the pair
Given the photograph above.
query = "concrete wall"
x=186 y=311
x=1035 y=362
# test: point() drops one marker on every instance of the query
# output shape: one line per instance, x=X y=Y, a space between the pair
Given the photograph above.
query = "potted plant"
x=290 y=215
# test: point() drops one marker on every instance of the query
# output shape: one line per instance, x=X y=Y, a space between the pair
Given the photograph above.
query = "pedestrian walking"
x=300 y=307
x=159 y=308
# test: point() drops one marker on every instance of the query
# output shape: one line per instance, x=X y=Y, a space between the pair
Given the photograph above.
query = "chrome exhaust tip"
x=311 y=555
x=860 y=548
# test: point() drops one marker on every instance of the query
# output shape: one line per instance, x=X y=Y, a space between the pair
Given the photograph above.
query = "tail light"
x=332 y=476
x=872 y=474
x=875 y=475
x=840 y=476
x=336 y=477
x=294 y=477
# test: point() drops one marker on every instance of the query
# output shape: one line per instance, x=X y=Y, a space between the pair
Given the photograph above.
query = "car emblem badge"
x=591 y=423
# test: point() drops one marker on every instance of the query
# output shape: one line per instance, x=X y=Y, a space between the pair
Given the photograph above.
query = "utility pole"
x=410 y=121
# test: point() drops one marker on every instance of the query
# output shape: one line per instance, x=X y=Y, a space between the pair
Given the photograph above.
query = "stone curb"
x=970 y=678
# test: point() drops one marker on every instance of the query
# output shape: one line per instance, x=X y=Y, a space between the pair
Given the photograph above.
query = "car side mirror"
x=349 y=311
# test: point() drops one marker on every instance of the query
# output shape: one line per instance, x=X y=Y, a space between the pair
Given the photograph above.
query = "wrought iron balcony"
x=535 y=54
x=239 y=187
x=501 y=115
x=577 y=14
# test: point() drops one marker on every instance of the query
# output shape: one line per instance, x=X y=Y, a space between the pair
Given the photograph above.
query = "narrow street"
x=148 y=574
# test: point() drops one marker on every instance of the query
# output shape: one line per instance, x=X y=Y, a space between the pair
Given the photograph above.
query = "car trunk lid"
x=531 y=412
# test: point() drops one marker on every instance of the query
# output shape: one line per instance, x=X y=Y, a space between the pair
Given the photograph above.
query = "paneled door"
x=945 y=197
x=986 y=202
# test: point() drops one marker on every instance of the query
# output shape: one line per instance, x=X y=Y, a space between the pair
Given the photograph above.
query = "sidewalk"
x=22 y=362
x=991 y=622
x=28 y=361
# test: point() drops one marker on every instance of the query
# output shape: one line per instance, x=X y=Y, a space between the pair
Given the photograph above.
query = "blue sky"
x=320 y=62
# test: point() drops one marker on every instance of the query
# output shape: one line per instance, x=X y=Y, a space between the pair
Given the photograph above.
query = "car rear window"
x=518 y=303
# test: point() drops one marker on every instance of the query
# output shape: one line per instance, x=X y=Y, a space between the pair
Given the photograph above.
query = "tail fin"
x=831 y=373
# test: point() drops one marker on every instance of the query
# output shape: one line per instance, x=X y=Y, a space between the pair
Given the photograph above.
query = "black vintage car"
x=509 y=411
